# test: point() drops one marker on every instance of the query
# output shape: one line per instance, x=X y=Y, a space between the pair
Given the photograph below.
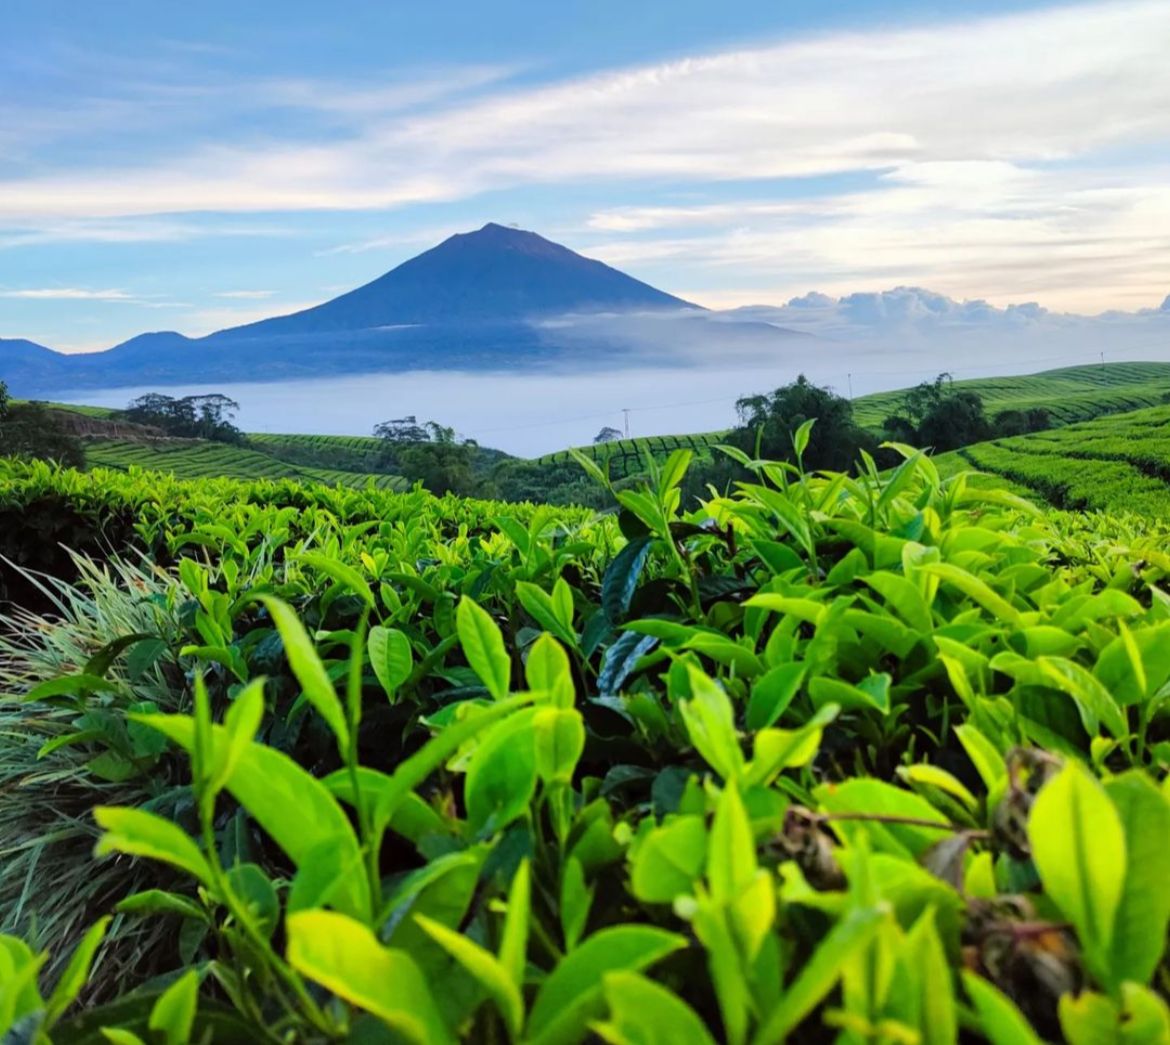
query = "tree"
x=3 y=400
x=607 y=435
x=937 y=415
x=402 y=430
x=192 y=417
x=430 y=453
x=1021 y=422
x=771 y=421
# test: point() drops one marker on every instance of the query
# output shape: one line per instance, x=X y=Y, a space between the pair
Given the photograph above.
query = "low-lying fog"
x=534 y=413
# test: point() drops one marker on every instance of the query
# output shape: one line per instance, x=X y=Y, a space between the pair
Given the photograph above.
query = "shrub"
x=879 y=752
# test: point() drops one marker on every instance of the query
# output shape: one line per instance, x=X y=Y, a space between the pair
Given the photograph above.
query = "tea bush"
x=869 y=759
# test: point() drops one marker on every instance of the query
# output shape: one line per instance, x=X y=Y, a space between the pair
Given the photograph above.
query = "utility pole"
x=850 y=377
x=1102 y=360
x=626 y=411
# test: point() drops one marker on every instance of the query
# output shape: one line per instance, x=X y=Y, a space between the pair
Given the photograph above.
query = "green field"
x=1116 y=463
x=628 y=456
x=1069 y=394
x=359 y=451
x=197 y=459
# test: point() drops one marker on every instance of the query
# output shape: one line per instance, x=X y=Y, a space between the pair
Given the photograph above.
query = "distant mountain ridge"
x=495 y=298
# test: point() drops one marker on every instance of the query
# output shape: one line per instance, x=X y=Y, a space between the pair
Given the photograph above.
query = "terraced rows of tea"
x=197 y=459
x=360 y=448
x=1069 y=394
x=1115 y=463
x=628 y=456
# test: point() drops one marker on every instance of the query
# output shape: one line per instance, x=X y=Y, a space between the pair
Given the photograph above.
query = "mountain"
x=27 y=359
x=492 y=274
x=494 y=299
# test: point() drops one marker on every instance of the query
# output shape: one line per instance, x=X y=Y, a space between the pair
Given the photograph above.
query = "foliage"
x=935 y=414
x=28 y=430
x=429 y=453
x=1068 y=394
x=560 y=483
x=1117 y=463
x=1021 y=422
x=876 y=756
x=607 y=435
x=768 y=424
x=190 y=459
x=194 y=417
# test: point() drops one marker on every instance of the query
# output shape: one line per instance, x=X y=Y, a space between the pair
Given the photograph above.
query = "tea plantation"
x=1116 y=463
x=869 y=758
x=1068 y=394
x=200 y=458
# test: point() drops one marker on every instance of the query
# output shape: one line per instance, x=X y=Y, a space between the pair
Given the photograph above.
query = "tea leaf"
x=571 y=995
x=642 y=1012
x=483 y=646
x=140 y=833
x=1078 y=846
x=307 y=667
x=173 y=1014
x=483 y=965
x=391 y=657
x=345 y=957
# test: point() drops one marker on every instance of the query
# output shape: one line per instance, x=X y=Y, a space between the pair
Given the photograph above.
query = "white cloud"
x=1081 y=239
x=1021 y=153
x=67 y=294
x=1036 y=86
x=247 y=295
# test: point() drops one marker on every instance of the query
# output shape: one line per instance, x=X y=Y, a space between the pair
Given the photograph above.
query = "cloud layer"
x=1006 y=157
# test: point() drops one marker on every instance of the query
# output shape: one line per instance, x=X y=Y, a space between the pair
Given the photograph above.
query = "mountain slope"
x=26 y=360
x=494 y=273
x=493 y=299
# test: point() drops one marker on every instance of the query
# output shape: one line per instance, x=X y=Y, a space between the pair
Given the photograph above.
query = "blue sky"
x=193 y=167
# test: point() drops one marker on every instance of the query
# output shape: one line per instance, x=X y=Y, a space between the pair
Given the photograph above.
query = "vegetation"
x=429 y=453
x=938 y=415
x=872 y=757
x=768 y=425
x=1119 y=463
x=28 y=430
x=627 y=457
x=1069 y=394
x=193 y=417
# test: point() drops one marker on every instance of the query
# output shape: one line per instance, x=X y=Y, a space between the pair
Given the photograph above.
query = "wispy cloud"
x=248 y=295
x=985 y=168
x=1081 y=239
x=67 y=294
x=838 y=102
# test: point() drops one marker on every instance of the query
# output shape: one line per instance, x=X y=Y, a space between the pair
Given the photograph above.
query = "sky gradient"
x=192 y=169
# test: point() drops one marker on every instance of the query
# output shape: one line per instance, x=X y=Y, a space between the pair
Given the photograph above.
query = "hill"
x=1116 y=463
x=201 y=459
x=1069 y=394
x=496 y=298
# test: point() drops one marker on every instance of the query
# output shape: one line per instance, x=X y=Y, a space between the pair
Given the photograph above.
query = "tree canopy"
x=769 y=421
x=207 y=416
